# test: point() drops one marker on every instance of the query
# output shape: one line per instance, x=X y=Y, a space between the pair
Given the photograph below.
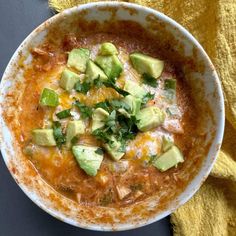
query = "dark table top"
x=19 y=215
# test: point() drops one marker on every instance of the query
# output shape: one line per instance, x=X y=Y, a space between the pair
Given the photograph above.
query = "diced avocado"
x=134 y=103
x=43 y=137
x=149 y=118
x=124 y=112
x=134 y=89
x=108 y=49
x=73 y=129
x=146 y=64
x=111 y=65
x=113 y=149
x=68 y=79
x=49 y=98
x=166 y=144
x=99 y=116
x=168 y=159
x=93 y=72
x=88 y=159
x=78 y=58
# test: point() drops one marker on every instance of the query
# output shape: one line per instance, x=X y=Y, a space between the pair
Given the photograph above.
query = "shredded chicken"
x=122 y=191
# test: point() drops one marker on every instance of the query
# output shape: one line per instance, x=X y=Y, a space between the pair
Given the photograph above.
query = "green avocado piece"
x=49 y=98
x=168 y=159
x=68 y=79
x=149 y=118
x=166 y=144
x=146 y=64
x=124 y=112
x=43 y=137
x=88 y=159
x=134 y=89
x=93 y=72
x=73 y=129
x=134 y=103
x=113 y=149
x=78 y=58
x=108 y=49
x=111 y=65
x=98 y=118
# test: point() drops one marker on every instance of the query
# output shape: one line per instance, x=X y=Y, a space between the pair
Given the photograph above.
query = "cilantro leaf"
x=104 y=105
x=57 y=133
x=74 y=140
x=84 y=110
x=99 y=151
x=149 y=80
x=63 y=114
x=148 y=96
x=82 y=87
x=170 y=84
x=117 y=104
x=101 y=135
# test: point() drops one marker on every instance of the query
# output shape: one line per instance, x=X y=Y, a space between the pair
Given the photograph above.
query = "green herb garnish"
x=82 y=87
x=99 y=151
x=170 y=84
x=84 y=110
x=63 y=114
x=149 y=80
x=148 y=96
x=58 y=134
x=104 y=105
x=74 y=140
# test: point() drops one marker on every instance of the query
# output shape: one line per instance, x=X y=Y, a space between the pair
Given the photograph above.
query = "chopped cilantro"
x=84 y=110
x=99 y=151
x=148 y=96
x=104 y=105
x=74 y=140
x=170 y=84
x=63 y=114
x=149 y=80
x=57 y=133
x=82 y=87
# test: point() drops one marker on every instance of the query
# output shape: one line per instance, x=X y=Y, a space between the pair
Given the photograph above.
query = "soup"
x=107 y=120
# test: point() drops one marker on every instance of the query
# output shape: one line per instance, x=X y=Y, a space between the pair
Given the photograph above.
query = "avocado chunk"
x=149 y=118
x=88 y=158
x=108 y=49
x=73 y=129
x=94 y=72
x=168 y=159
x=113 y=149
x=98 y=118
x=68 y=79
x=134 y=89
x=43 y=137
x=49 y=98
x=166 y=144
x=111 y=65
x=146 y=64
x=78 y=58
x=134 y=103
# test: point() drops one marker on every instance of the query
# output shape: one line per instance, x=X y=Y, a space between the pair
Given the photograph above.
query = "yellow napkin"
x=212 y=211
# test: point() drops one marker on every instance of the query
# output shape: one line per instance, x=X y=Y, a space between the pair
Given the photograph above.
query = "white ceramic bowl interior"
x=187 y=46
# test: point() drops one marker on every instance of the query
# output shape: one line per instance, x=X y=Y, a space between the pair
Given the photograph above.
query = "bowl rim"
x=218 y=137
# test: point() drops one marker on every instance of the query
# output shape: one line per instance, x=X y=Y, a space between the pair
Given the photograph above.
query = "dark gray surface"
x=18 y=215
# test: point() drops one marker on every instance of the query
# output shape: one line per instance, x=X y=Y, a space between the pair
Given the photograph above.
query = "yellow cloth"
x=212 y=211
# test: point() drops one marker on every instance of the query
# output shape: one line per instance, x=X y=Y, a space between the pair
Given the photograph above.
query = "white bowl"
x=203 y=80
